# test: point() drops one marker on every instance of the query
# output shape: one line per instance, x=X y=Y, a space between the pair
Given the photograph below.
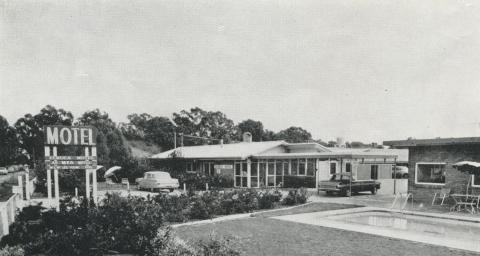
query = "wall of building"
x=448 y=154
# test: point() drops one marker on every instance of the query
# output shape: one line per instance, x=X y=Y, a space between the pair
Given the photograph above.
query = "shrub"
x=117 y=224
x=12 y=251
x=216 y=247
x=268 y=199
x=299 y=182
x=294 y=197
x=174 y=208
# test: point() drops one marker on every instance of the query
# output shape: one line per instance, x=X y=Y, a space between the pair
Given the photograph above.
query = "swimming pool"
x=438 y=229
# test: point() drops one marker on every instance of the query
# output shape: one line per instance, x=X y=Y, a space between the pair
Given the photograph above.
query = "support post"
x=27 y=186
x=249 y=173
x=55 y=181
x=20 y=185
x=94 y=178
x=87 y=179
x=184 y=187
x=49 y=178
x=4 y=219
x=57 y=189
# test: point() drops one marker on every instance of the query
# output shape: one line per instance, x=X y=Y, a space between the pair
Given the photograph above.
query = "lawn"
x=262 y=235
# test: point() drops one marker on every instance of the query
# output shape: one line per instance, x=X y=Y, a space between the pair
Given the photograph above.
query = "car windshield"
x=338 y=177
x=159 y=175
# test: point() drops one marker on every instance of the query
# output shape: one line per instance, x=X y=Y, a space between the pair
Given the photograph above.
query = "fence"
x=7 y=212
x=387 y=186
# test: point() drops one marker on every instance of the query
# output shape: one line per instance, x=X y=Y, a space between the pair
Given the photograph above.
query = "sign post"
x=83 y=136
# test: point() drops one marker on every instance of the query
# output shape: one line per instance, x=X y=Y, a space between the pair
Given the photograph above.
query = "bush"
x=216 y=247
x=294 y=197
x=299 y=182
x=174 y=208
x=118 y=224
x=12 y=251
x=268 y=199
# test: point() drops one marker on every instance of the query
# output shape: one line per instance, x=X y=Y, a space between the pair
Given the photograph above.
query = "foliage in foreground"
x=12 y=251
x=118 y=225
x=206 y=205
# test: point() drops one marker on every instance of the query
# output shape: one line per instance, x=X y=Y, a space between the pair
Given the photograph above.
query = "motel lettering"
x=66 y=135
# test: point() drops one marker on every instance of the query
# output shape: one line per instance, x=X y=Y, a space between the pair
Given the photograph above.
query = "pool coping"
x=322 y=220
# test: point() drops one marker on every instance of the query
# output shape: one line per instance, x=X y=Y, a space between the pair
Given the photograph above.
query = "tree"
x=268 y=135
x=30 y=129
x=253 y=127
x=203 y=123
x=294 y=135
x=111 y=146
x=136 y=127
x=8 y=143
x=159 y=130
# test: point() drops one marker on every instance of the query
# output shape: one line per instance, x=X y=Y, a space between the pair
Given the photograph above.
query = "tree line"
x=22 y=142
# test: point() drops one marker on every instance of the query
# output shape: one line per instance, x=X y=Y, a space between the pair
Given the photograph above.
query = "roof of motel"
x=432 y=142
x=239 y=150
x=266 y=149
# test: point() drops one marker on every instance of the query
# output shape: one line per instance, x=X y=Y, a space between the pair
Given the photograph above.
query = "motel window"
x=279 y=172
x=348 y=167
x=311 y=167
x=476 y=180
x=286 y=165
x=254 y=174
x=301 y=167
x=294 y=170
x=237 y=169
x=430 y=173
x=189 y=167
x=333 y=168
x=374 y=172
x=271 y=168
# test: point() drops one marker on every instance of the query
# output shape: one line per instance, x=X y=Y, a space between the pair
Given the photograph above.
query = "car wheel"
x=171 y=189
x=329 y=193
x=374 y=190
x=348 y=193
x=405 y=176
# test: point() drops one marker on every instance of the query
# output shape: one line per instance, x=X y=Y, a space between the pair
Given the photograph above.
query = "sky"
x=362 y=70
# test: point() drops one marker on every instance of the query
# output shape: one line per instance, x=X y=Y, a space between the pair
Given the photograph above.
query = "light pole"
x=174 y=132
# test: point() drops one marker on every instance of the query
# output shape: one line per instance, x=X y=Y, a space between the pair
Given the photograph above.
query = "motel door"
x=323 y=170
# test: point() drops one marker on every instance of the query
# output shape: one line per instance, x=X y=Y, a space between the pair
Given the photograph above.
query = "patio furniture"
x=443 y=193
x=125 y=182
x=110 y=182
x=465 y=202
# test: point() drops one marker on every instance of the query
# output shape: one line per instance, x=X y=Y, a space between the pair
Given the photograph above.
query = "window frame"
x=473 y=182
x=429 y=183
x=374 y=170
x=335 y=169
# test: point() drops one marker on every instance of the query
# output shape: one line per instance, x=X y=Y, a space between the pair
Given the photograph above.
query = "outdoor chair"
x=442 y=194
x=110 y=182
x=125 y=182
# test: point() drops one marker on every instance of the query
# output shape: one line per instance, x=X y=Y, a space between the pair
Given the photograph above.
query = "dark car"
x=343 y=184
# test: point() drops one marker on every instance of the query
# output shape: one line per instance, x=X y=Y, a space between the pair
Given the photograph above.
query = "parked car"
x=157 y=180
x=3 y=171
x=340 y=184
x=400 y=171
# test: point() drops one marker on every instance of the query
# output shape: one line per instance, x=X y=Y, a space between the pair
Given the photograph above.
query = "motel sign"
x=65 y=135
x=80 y=136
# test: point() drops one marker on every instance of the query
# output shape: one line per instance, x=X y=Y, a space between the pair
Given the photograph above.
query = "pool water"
x=436 y=227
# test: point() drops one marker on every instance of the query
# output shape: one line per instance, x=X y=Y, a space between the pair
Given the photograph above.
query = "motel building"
x=432 y=165
x=280 y=164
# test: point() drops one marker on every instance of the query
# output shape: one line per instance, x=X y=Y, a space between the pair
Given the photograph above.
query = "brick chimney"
x=247 y=137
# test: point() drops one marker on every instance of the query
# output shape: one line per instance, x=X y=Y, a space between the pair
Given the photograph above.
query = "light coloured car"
x=157 y=180
x=401 y=171
x=3 y=171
